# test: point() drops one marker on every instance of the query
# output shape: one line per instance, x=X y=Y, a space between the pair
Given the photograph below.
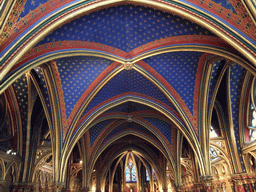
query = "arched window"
x=131 y=175
x=213 y=133
x=128 y=174
x=252 y=127
x=147 y=176
x=213 y=154
x=252 y=120
x=134 y=175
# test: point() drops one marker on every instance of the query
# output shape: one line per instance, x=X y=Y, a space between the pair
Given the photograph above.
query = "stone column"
x=238 y=185
x=242 y=182
x=178 y=187
x=207 y=183
x=223 y=187
x=253 y=183
x=197 y=187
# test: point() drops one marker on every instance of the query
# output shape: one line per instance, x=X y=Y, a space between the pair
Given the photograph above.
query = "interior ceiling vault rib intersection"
x=128 y=81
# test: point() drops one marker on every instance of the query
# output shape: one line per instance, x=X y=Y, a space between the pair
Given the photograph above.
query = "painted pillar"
x=197 y=187
x=239 y=186
x=207 y=183
x=178 y=187
x=253 y=183
x=242 y=183
x=223 y=187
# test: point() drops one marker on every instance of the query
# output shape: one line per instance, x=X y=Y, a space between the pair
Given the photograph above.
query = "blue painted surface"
x=39 y=72
x=179 y=69
x=97 y=129
x=127 y=81
x=125 y=27
x=129 y=107
x=125 y=126
x=226 y=3
x=21 y=89
x=236 y=79
x=164 y=127
x=31 y=5
x=213 y=80
x=76 y=74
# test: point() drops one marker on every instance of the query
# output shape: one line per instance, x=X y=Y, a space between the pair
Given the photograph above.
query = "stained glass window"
x=128 y=174
x=131 y=175
x=213 y=133
x=252 y=132
x=213 y=154
x=147 y=176
x=134 y=176
x=154 y=174
x=252 y=125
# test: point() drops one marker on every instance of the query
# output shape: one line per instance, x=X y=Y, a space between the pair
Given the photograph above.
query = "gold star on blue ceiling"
x=125 y=27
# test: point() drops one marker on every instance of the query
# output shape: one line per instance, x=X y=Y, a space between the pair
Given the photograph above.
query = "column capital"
x=58 y=186
x=240 y=179
x=206 y=181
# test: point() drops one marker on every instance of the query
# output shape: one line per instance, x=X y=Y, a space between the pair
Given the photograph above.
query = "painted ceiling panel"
x=213 y=80
x=30 y=5
x=129 y=107
x=97 y=129
x=127 y=125
x=179 y=69
x=236 y=79
x=164 y=127
x=76 y=74
x=21 y=89
x=225 y=3
x=125 y=27
x=39 y=72
x=124 y=82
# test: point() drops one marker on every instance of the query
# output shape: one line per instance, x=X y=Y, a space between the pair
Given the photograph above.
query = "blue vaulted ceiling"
x=97 y=129
x=179 y=69
x=236 y=80
x=164 y=127
x=125 y=27
x=129 y=107
x=128 y=81
x=30 y=5
x=21 y=89
x=77 y=74
x=43 y=86
x=124 y=126
x=226 y=3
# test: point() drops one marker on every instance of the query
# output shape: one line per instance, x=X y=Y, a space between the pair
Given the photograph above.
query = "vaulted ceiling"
x=105 y=69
